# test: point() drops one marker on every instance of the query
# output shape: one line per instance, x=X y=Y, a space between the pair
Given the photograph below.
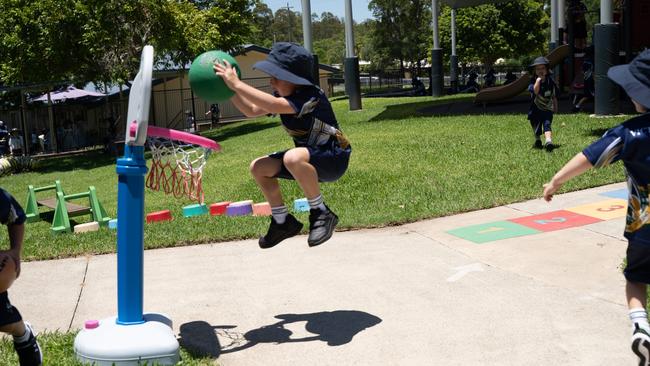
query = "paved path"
x=407 y=295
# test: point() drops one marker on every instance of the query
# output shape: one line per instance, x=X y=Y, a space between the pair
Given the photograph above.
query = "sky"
x=360 y=10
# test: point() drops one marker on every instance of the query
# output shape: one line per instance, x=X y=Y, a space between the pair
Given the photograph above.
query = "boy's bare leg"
x=636 y=294
x=16 y=329
x=297 y=162
x=263 y=170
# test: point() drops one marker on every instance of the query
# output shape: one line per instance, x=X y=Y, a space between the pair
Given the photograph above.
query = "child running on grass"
x=630 y=143
x=28 y=350
x=543 y=92
x=321 y=151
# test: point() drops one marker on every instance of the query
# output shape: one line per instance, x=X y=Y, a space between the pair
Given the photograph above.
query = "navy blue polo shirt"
x=310 y=105
x=629 y=142
x=547 y=90
x=10 y=211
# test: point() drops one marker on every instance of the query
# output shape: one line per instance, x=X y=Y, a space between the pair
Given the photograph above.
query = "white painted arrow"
x=463 y=270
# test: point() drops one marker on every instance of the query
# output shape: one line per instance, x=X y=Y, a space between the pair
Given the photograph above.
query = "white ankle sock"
x=640 y=316
x=280 y=214
x=317 y=202
x=23 y=338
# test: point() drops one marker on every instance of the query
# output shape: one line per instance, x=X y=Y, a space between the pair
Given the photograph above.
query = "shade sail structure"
x=467 y=3
x=70 y=93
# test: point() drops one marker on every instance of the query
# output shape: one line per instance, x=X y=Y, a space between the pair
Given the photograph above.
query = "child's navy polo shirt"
x=10 y=211
x=629 y=142
x=311 y=105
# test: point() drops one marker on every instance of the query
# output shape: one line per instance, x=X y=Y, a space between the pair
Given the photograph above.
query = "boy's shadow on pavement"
x=336 y=328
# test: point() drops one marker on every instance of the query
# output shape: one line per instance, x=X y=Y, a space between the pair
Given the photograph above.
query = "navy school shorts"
x=540 y=120
x=8 y=313
x=330 y=160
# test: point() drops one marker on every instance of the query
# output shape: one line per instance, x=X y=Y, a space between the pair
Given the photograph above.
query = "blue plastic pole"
x=131 y=170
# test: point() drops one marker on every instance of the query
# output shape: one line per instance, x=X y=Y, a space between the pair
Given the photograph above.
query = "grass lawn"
x=58 y=351
x=405 y=166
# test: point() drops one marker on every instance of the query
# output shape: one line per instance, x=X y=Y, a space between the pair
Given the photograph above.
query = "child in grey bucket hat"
x=628 y=142
x=321 y=152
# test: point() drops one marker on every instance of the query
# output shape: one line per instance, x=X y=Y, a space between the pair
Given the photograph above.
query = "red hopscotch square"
x=555 y=220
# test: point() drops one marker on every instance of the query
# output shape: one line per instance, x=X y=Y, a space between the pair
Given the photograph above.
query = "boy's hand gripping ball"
x=205 y=83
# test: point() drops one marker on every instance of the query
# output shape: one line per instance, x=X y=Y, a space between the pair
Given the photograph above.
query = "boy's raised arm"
x=576 y=166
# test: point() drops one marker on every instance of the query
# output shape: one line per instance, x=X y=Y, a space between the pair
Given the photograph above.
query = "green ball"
x=205 y=83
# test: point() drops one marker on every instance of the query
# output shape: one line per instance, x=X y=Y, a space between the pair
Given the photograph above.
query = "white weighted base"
x=124 y=345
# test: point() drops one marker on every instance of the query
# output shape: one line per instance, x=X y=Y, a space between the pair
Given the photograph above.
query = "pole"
x=131 y=170
x=352 y=83
x=453 y=72
x=437 y=74
x=23 y=120
x=50 y=114
x=554 y=23
x=606 y=56
x=307 y=38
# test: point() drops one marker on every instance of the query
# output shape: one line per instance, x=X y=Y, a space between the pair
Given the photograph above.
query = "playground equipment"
x=301 y=205
x=132 y=337
x=86 y=227
x=164 y=215
x=178 y=159
x=195 y=210
x=205 y=83
x=219 y=208
x=240 y=208
x=63 y=208
x=262 y=209
x=500 y=93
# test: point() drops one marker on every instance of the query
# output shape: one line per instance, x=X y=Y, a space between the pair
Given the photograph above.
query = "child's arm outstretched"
x=576 y=166
x=250 y=101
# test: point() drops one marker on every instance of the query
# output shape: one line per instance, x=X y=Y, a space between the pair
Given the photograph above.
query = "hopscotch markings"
x=604 y=210
x=464 y=270
x=619 y=193
x=555 y=220
x=492 y=231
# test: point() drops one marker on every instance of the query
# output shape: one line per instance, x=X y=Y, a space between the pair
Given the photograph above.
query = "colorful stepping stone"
x=555 y=220
x=86 y=227
x=604 y=210
x=301 y=205
x=262 y=209
x=492 y=231
x=219 y=208
x=619 y=193
x=197 y=209
x=240 y=208
x=112 y=224
x=164 y=215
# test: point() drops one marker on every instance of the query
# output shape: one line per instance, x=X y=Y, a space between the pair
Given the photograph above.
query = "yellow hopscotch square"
x=605 y=210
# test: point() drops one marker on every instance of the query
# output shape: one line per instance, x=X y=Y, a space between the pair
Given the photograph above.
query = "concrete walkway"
x=407 y=295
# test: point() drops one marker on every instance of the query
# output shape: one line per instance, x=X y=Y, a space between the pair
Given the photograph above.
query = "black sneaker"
x=549 y=146
x=279 y=232
x=29 y=352
x=321 y=226
x=641 y=345
x=537 y=144
x=575 y=109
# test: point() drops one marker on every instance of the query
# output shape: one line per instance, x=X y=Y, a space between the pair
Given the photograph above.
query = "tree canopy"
x=96 y=40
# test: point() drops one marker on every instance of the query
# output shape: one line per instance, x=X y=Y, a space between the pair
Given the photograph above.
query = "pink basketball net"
x=178 y=159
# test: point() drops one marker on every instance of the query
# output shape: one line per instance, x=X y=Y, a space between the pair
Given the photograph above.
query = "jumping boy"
x=629 y=142
x=321 y=152
x=25 y=344
x=543 y=92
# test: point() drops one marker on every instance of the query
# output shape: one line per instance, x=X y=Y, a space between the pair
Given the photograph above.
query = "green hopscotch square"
x=492 y=231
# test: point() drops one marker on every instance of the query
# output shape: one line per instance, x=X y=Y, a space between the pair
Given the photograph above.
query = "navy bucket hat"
x=540 y=61
x=634 y=78
x=289 y=62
